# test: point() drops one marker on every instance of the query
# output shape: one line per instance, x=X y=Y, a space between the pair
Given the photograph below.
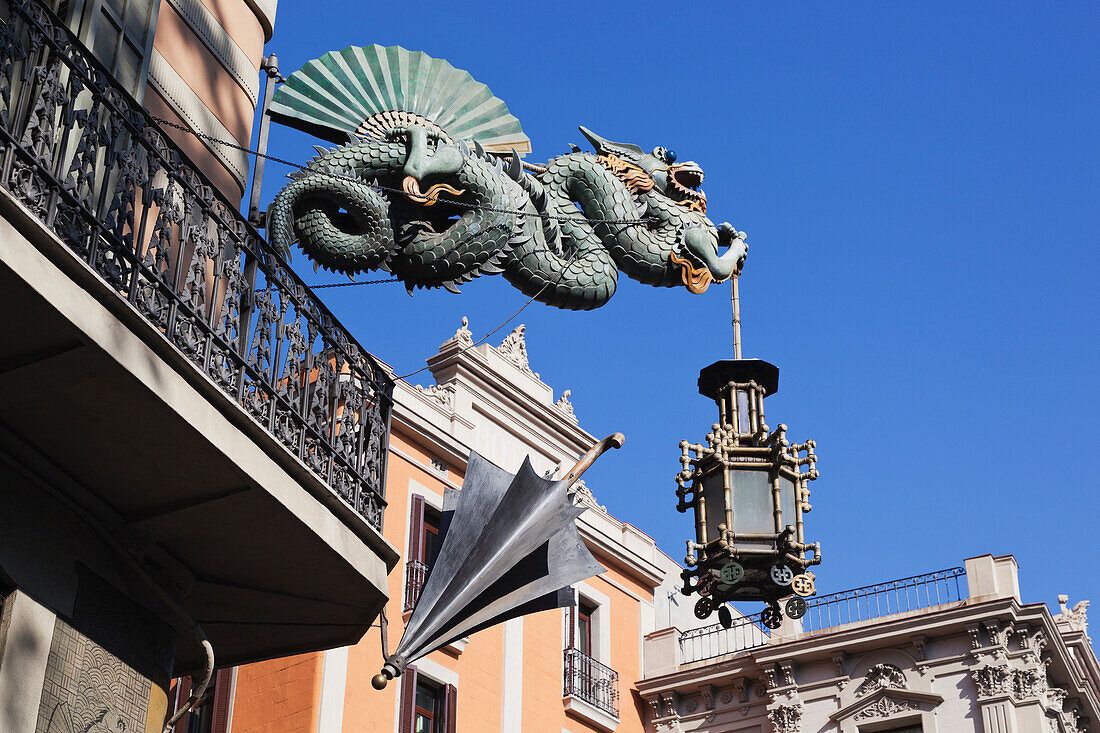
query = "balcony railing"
x=716 y=640
x=415 y=574
x=835 y=609
x=90 y=163
x=595 y=683
x=885 y=599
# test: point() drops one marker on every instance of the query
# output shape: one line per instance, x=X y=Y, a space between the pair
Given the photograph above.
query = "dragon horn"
x=602 y=146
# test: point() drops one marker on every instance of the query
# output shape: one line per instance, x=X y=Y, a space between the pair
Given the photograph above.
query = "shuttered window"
x=426 y=706
x=211 y=713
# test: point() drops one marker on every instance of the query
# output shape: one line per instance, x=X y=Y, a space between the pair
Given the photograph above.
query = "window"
x=426 y=705
x=429 y=538
x=583 y=640
x=424 y=522
x=211 y=713
x=119 y=33
x=426 y=714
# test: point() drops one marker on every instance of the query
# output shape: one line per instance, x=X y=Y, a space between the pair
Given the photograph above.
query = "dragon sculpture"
x=415 y=199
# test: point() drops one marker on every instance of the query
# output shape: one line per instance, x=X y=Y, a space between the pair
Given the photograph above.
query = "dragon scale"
x=436 y=213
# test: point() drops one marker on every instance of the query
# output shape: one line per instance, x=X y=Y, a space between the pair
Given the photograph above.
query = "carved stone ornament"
x=881 y=676
x=564 y=404
x=583 y=496
x=1075 y=620
x=443 y=394
x=669 y=705
x=786 y=668
x=786 y=718
x=707 y=692
x=514 y=348
x=975 y=639
x=994 y=680
x=727 y=696
x=991 y=680
x=463 y=334
x=885 y=708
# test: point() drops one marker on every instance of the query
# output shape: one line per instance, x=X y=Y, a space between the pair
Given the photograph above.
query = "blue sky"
x=919 y=183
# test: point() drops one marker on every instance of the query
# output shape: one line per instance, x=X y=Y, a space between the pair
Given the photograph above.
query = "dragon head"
x=699 y=258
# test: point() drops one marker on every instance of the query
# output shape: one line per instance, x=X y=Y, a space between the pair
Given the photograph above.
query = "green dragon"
x=364 y=207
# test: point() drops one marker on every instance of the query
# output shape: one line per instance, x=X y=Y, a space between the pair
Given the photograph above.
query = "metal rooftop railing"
x=832 y=610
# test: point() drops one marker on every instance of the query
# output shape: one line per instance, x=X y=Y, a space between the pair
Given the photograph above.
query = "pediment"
x=887 y=701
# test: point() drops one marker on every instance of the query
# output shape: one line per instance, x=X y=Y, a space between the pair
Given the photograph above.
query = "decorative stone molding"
x=670 y=704
x=583 y=496
x=1075 y=620
x=920 y=644
x=886 y=707
x=514 y=349
x=975 y=637
x=742 y=689
x=879 y=677
x=727 y=696
x=463 y=334
x=770 y=681
x=443 y=395
x=786 y=668
x=786 y=718
x=992 y=680
x=889 y=702
x=707 y=693
x=563 y=402
x=691 y=705
x=993 y=630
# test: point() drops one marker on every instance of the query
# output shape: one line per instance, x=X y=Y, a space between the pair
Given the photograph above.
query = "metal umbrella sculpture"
x=509 y=546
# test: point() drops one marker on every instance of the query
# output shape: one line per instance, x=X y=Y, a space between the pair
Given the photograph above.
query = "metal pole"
x=736 y=298
x=270 y=66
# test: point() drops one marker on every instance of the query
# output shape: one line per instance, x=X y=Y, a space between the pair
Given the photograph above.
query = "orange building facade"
x=561 y=670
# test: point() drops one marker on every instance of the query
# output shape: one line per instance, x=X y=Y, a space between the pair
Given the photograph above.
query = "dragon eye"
x=670 y=156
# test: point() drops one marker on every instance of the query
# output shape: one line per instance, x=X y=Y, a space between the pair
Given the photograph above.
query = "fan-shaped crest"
x=364 y=90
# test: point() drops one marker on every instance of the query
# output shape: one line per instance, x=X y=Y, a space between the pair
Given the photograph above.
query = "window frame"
x=445 y=717
x=84 y=17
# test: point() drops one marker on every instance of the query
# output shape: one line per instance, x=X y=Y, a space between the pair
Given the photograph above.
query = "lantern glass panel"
x=786 y=501
x=752 y=504
x=743 y=425
x=714 y=494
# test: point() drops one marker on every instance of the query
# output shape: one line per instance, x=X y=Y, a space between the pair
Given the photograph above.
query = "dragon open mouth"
x=686 y=179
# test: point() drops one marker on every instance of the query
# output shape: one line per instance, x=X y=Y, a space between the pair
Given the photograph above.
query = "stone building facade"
x=561 y=670
x=192 y=449
x=982 y=662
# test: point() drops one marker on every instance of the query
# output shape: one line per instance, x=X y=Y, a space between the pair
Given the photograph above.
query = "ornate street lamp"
x=748 y=488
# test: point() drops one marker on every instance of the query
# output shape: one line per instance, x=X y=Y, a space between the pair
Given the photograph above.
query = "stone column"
x=26 y=631
x=101 y=667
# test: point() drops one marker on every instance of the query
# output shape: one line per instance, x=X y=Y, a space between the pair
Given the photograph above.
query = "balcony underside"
x=107 y=417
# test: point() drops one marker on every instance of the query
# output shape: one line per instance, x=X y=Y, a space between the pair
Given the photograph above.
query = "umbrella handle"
x=615 y=440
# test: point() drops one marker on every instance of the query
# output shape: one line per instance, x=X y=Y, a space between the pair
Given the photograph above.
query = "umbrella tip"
x=389 y=671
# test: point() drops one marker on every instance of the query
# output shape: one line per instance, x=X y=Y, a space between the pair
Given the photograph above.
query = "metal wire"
x=460 y=204
x=512 y=317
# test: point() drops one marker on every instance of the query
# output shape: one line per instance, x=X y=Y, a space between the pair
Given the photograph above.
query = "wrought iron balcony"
x=828 y=611
x=416 y=573
x=595 y=683
x=91 y=164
